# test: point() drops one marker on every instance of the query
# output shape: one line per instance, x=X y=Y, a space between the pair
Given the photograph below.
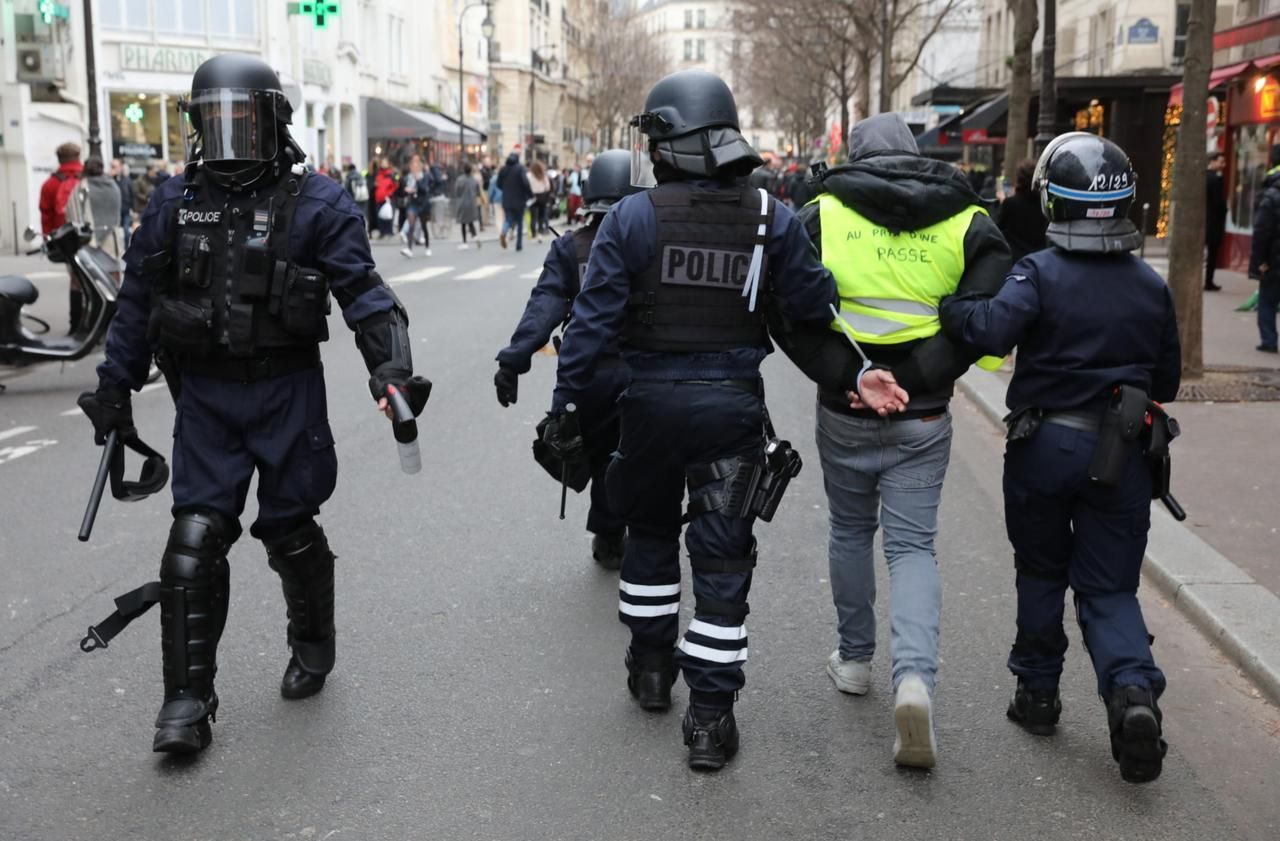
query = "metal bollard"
x=1142 y=249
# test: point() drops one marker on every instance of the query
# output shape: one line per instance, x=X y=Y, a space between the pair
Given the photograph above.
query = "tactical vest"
x=226 y=283
x=582 y=239
x=689 y=300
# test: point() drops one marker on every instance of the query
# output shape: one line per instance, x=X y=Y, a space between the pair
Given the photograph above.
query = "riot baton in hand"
x=99 y=484
x=568 y=430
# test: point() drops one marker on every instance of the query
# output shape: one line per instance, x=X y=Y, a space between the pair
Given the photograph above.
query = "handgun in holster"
x=1123 y=422
x=1022 y=423
x=1161 y=431
x=781 y=465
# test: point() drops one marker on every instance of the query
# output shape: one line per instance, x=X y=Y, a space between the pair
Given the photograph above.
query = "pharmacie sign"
x=150 y=59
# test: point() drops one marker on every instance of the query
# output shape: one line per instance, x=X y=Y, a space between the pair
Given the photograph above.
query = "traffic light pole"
x=91 y=81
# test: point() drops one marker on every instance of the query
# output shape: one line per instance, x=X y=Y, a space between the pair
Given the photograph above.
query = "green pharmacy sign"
x=133 y=113
x=320 y=13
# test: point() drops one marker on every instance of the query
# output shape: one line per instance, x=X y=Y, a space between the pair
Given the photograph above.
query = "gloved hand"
x=416 y=390
x=562 y=435
x=109 y=408
x=507 y=383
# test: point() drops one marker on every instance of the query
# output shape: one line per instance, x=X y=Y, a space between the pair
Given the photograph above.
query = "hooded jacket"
x=1265 y=246
x=890 y=184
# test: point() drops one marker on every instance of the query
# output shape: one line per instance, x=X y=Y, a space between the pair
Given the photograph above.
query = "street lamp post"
x=486 y=29
x=533 y=89
x=91 y=81
x=1046 y=125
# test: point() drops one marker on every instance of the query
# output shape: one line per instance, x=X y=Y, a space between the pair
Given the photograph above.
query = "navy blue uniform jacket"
x=1082 y=323
x=327 y=233
x=626 y=245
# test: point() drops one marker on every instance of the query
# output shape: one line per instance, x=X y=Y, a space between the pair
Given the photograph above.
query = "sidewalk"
x=1222 y=566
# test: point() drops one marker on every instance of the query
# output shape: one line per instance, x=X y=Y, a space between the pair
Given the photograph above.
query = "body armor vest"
x=690 y=299
x=226 y=284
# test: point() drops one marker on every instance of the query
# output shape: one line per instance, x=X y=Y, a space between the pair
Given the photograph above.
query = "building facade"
x=948 y=59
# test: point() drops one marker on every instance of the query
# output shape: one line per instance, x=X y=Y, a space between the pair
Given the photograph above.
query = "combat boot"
x=650 y=676
x=606 y=549
x=305 y=565
x=1136 y=742
x=194 y=589
x=711 y=735
x=1035 y=710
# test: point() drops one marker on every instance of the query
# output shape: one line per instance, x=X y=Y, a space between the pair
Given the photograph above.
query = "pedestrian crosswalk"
x=491 y=270
x=485 y=271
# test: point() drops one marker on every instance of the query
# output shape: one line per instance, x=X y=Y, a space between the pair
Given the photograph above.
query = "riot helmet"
x=608 y=181
x=236 y=116
x=1086 y=185
x=690 y=124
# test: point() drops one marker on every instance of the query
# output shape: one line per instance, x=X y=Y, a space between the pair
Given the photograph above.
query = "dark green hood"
x=901 y=191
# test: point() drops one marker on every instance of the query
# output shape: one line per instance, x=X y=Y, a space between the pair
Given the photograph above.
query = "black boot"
x=1035 y=710
x=606 y=549
x=650 y=675
x=305 y=565
x=711 y=735
x=194 y=588
x=1135 y=733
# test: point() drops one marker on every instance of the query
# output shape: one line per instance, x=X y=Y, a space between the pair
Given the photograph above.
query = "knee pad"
x=194 y=592
x=195 y=537
x=719 y=565
x=296 y=552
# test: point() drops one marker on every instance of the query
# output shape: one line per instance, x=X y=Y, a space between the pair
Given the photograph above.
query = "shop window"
x=1251 y=146
x=235 y=20
x=137 y=125
x=185 y=17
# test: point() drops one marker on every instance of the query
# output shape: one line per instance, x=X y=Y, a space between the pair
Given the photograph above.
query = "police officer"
x=899 y=233
x=228 y=279
x=549 y=306
x=1087 y=317
x=676 y=277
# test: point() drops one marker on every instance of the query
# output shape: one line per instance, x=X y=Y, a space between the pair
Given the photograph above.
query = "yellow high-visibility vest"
x=890 y=284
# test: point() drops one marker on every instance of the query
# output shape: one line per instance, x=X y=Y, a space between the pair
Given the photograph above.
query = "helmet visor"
x=232 y=124
x=641 y=163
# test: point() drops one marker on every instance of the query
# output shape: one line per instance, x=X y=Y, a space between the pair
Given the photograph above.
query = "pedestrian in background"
x=513 y=182
x=97 y=204
x=354 y=182
x=143 y=186
x=384 y=190
x=120 y=174
x=466 y=201
x=540 y=189
x=59 y=187
x=417 y=184
x=1215 y=217
x=1021 y=220
x=1264 y=254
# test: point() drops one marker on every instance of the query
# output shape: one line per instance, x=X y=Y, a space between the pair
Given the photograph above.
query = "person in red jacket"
x=384 y=186
x=57 y=189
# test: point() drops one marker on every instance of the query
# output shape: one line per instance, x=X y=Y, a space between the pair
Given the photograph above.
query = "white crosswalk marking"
x=26 y=449
x=69 y=412
x=421 y=275
x=17 y=430
x=534 y=275
x=484 y=271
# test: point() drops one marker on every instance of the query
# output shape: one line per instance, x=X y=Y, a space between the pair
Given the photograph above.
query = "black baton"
x=99 y=484
x=568 y=423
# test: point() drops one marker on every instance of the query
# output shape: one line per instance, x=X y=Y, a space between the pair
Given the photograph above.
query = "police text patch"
x=199 y=217
x=706 y=267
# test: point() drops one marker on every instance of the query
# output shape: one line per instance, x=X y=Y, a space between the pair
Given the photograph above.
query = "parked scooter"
x=24 y=338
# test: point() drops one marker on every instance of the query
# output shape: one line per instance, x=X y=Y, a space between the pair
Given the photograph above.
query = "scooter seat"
x=18 y=288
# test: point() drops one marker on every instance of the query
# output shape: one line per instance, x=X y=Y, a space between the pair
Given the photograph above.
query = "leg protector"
x=194 y=590
x=305 y=565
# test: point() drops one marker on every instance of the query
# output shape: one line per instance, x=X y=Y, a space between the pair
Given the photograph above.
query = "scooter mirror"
x=30 y=234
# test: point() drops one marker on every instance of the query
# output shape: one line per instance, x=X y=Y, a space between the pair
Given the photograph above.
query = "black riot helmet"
x=608 y=181
x=237 y=116
x=690 y=124
x=1086 y=186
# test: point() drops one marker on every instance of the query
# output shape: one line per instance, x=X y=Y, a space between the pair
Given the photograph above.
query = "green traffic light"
x=319 y=12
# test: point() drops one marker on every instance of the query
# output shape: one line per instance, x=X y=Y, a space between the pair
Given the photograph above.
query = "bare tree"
x=621 y=62
x=1187 y=193
x=1026 y=20
x=768 y=82
x=920 y=20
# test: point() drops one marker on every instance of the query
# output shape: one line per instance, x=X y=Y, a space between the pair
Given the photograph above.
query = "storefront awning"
x=943 y=140
x=447 y=128
x=1217 y=77
x=384 y=120
x=985 y=124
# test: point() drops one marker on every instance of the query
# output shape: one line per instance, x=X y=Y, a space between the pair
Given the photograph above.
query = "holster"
x=1162 y=431
x=1122 y=423
x=1022 y=423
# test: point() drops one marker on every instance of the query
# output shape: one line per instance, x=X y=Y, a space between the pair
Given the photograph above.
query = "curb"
x=1236 y=613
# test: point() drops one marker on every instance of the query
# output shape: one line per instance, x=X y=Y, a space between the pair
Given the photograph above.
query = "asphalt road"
x=479 y=692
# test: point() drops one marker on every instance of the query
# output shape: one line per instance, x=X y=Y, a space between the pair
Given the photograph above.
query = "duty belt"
x=253 y=369
x=753 y=386
x=1082 y=421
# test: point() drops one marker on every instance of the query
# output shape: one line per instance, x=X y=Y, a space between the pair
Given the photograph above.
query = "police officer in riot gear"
x=1095 y=330
x=549 y=307
x=228 y=280
x=679 y=277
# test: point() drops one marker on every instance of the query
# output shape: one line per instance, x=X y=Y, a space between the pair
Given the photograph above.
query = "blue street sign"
x=1144 y=32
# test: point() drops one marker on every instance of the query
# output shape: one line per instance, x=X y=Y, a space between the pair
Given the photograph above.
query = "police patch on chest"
x=199 y=217
x=707 y=267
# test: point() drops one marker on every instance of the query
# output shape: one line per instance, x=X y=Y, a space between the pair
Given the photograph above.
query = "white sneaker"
x=852 y=677
x=913 y=715
x=408 y=252
x=428 y=252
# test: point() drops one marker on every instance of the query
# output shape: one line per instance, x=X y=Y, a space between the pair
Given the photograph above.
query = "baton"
x=1174 y=508
x=569 y=410
x=99 y=484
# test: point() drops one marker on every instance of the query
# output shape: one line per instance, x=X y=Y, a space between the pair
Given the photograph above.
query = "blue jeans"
x=1268 y=301
x=512 y=219
x=875 y=469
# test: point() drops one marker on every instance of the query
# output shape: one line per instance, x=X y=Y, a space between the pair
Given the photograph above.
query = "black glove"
x=109 y=408
x=416 y=390
x=507 y=383
x=563 y=436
